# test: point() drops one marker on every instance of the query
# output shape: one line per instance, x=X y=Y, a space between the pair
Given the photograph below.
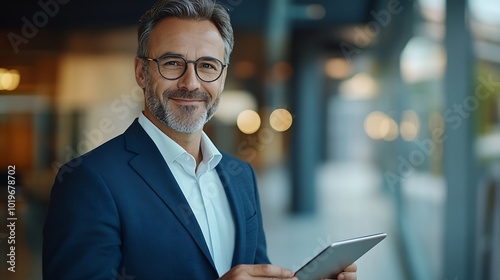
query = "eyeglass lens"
x=172 y=67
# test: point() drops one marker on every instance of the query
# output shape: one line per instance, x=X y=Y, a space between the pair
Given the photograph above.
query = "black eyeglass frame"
x=195 y=62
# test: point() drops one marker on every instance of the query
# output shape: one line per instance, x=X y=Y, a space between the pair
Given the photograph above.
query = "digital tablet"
x=336 y=257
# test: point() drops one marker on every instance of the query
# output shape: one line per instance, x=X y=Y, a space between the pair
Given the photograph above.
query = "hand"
x=349 y=273
x=259 y=271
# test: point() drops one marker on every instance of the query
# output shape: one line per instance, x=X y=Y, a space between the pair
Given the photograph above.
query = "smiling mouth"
x=187 y=101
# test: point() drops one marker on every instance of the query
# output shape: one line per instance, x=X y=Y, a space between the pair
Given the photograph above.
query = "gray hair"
x=186 y=9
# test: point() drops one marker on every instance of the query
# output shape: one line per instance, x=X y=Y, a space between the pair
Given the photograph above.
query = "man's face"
x=187 y=103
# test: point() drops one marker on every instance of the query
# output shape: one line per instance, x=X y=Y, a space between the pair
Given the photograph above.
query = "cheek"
x=215 y=91
x=158 y=87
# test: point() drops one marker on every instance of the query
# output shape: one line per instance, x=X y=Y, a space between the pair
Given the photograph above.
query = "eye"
x=209 y=64
x=171 y=62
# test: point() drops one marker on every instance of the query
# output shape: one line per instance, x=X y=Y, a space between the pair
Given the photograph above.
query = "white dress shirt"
x=203 y=190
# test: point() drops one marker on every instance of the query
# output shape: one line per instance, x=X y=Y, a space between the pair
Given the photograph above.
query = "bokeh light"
x=410 y=125
x=380 y=126
x=338 y=68
x=361 y=86
x=248 y=121
x=281 y=120
x=9 y=79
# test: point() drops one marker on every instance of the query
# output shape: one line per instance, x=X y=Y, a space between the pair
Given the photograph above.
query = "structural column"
x=307 y=102
x=459 y=161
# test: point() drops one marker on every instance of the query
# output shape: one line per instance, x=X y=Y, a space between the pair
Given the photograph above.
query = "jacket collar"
x=231 y=188
x=150 y=165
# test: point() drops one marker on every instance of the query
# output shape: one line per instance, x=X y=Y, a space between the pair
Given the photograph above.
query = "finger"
x=269 y=270
x=347 y=276
x=352 y=268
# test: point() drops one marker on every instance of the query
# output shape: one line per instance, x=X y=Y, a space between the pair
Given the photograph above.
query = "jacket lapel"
x=234 y=199
x=150 y=165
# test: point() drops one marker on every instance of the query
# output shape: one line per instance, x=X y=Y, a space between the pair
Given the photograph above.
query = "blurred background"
x=359 y=116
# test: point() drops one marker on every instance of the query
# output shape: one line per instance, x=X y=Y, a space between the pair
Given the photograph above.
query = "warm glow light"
x=337 y=68
x=410 y=126
x=5 y=79
x=380 y=126
x=390 y=129
x=360 y=87
x=248 y=121
x=280 y=120
x=9 y=79
x=232 y=103
x=372 y=124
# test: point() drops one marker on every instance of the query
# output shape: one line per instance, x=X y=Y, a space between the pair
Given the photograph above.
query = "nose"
x=189 y=81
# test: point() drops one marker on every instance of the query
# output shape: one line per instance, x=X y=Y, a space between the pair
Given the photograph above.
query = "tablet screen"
x=336 y=257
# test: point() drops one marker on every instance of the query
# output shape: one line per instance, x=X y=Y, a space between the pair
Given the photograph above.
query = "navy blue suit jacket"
x=117 y=212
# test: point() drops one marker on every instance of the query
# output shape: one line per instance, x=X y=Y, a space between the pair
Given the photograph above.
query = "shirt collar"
x=170 y=150
x=211 y=154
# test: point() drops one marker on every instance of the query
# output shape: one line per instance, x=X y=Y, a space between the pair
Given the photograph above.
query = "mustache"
x=185 y=94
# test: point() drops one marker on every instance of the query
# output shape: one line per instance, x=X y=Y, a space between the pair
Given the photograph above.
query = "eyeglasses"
x=172 y=67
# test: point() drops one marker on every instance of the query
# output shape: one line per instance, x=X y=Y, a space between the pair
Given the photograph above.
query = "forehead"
x=190 y=38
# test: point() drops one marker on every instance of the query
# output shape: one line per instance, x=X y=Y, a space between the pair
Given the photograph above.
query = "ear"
x=140 y=76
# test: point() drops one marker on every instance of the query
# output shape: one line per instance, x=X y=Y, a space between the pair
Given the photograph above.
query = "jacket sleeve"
x=82 y=229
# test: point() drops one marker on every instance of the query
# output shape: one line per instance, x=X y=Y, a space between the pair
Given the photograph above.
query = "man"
x=160 y=201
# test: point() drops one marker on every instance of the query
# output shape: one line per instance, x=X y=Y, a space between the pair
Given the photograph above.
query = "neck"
x=191 y=142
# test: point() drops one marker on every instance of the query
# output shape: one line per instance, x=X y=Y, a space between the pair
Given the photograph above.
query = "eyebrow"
x=180 y=55
x=170 y=53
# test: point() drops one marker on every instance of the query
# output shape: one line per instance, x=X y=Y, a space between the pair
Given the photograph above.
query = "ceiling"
x=245 y=14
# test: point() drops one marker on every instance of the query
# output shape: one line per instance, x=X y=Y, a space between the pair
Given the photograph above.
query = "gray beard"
x=182 y=118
